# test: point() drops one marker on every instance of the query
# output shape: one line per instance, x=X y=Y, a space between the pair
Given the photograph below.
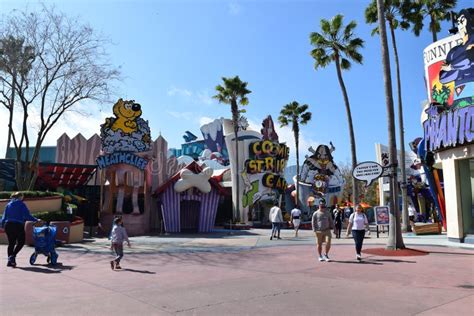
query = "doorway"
x=189 y=216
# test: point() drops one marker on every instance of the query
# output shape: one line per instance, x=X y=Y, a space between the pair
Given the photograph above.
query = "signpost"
x=381 y=217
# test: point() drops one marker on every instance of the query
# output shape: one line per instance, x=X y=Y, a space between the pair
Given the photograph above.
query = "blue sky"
x=173 y=53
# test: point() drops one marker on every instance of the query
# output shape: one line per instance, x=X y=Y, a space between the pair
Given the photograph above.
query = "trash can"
x=63 y=229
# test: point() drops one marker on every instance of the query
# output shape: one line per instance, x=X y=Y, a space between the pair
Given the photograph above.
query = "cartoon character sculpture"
x=127 y=131
x=321 y=173
x=459 y=64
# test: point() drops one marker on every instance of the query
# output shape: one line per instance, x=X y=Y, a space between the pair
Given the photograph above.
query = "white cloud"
x=205 y=120
x=70 y=123
x=205 y=98
x=181 y=115
x=181 y=92
x=234 y=8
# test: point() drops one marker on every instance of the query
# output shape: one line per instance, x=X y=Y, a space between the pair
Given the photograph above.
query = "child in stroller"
x=45 y=239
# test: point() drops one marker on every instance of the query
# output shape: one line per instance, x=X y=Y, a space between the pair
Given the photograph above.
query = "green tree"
x=234 y=92
x=295 y=114
x=16 y=59
x=337 y=43
x=436 y=10
x=60 y=64
x=395 y=15
x=395 y=239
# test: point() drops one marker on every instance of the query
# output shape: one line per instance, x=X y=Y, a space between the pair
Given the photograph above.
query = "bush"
x=54 y=216
x=29 y=194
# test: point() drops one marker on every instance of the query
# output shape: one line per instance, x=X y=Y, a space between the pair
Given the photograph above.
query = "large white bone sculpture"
x=190 y=179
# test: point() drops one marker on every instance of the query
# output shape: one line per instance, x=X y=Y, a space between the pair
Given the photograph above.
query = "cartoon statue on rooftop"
x=459 y=63
x=127 y=131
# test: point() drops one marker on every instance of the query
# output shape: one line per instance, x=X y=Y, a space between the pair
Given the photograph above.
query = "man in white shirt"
x=276 y=218
x=295 y=218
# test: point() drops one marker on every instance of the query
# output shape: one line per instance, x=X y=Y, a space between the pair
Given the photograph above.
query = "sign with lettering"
x=449 y=129
x=270 y=158
x=121 y=158
x=367 y=171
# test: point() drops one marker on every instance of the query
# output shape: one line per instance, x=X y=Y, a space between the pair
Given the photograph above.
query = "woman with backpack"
x=358 y=223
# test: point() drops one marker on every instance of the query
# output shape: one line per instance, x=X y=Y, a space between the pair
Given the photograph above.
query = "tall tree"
x=337 y=43
x=436 y=10
x=394 y=14
x=234 y=92
x=70 y=65
x=295 y=114
x=395 y=239
x=15 y=60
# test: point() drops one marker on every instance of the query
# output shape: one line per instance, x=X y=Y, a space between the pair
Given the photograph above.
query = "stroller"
x=45 y=239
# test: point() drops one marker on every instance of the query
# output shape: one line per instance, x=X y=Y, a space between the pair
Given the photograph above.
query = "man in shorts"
x=322 y=225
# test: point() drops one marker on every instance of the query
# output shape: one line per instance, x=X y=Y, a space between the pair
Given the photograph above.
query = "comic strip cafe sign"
x=269 y=158
x=449 y=129
x=121 y=158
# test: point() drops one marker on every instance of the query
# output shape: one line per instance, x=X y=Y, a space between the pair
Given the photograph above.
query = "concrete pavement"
x=240 y=274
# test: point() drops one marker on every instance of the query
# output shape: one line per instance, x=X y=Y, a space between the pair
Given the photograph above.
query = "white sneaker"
x=326 y=258
x=321 y=258
x=359 y=257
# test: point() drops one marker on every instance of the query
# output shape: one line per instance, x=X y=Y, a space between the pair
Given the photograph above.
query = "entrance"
x=466 y=184
x=189 y=216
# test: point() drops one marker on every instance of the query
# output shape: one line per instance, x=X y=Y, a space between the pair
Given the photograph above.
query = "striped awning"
x=53 y=175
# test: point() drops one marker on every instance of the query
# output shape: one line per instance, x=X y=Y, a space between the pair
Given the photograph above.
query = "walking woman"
x=358 y=223
x=13 y=221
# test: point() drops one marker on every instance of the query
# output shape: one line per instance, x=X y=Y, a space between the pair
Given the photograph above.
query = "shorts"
x=296 y=223
x=323 y=236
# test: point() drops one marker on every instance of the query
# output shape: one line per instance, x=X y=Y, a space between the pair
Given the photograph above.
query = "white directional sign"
x=367 y=171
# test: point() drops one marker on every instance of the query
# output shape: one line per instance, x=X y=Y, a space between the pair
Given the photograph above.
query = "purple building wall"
x=171 y=201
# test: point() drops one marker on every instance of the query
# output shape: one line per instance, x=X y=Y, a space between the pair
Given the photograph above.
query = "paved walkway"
x=240 y=274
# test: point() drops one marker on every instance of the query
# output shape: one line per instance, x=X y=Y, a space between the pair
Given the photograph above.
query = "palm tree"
x=395 y=240
x=394 y=14
x=339 y=45
x=295 y=114
x=234 y=92
x=436 y=10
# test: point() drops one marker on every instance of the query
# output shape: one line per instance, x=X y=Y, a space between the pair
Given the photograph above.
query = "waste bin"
x=63 y=229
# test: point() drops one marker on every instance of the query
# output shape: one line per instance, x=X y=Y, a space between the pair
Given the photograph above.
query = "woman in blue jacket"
x=13 y=221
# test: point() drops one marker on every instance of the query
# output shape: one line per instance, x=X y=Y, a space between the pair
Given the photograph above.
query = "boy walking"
x=322 y=225
x=117 y=237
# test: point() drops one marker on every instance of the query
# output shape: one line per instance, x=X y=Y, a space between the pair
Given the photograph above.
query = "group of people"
x=15 y=215
x=323 y=223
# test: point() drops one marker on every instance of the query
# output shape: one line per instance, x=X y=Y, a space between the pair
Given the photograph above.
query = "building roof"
x=195 y=168
x=53 y=175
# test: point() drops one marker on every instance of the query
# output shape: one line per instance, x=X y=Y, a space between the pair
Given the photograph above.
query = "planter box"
x=76 y=230
x=36 y=205
x=424 y=229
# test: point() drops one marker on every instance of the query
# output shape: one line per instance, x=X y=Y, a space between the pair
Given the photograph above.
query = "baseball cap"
x=322 y=202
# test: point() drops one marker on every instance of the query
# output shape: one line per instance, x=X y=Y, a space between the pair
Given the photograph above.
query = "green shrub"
x=54 y=216
x=29 y=194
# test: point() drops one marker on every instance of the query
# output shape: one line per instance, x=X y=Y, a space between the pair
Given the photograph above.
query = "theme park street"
x=241 y=274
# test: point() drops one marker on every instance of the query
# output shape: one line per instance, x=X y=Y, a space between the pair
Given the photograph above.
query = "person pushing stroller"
x=117 y=237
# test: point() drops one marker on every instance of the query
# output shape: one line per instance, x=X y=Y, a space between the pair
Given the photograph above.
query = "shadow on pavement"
x=392 y=260
x=47 y=269
x=138 y=271
x=359 y=262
